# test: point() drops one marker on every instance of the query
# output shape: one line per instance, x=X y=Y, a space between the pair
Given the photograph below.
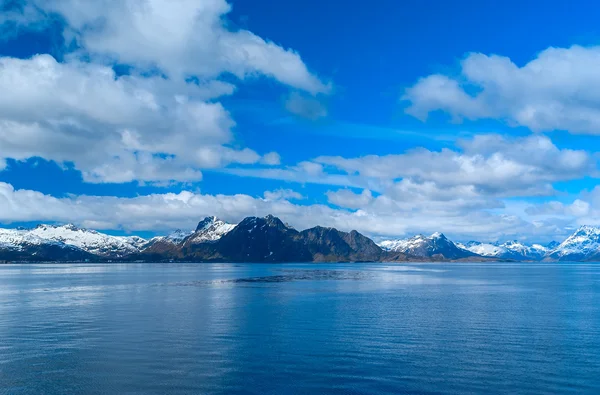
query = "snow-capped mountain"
x=51 y=242
x=509 y=250
x=178 y=236
x=90 y=240
x=175 y=237
x=582 y=245
x=209 y=230
x=434 y=246
x=269 y=239
x=483 y=249
x=70 y=236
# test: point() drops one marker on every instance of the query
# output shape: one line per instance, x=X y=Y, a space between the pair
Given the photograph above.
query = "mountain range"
x=268 y=239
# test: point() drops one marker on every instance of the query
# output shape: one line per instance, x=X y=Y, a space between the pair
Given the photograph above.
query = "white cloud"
x=491 y=164
x=282 y=194
x=578 y=208
x=16 y=17
x=157 y=128
x=451 y=185
x=114 y=129
x=582 y=210
x=559 y=89
x=459 y=192
x=185 y=38
x=347 y=199
x=162 y=212
x=271 y=159
x=304 y=172
x=305 y=106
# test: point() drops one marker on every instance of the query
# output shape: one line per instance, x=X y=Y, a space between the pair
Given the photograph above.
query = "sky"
x=476 y=119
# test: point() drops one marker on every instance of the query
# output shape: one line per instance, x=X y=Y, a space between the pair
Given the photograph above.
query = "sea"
x=454 y=328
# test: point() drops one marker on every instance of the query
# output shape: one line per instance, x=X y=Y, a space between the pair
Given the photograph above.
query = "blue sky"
x=477 y=119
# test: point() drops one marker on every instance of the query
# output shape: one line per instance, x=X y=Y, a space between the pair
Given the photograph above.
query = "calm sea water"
x=299 y=329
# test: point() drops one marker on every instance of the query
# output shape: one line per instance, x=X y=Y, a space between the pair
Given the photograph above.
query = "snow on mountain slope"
x=16 y=239
x=174 y=238
x=395 y=245
x=209 y=230
x=483 y=249
x=534 y=251
x=178 y=236
x=508 y=250
x=581 y=245
x=69 y=235
x=436 y=245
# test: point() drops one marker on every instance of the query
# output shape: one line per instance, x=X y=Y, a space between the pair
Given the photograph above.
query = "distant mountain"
x=255 y=239
x=513 y=250
x=331 y=245
x=552 y=245
x=176 y=237
x=66 y=242
x=209 y=230
x=178 y=243
x=268 y=239
x=435 y=247
x=583 y=245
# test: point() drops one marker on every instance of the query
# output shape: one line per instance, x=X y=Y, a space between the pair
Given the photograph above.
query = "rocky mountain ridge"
x=268 y=239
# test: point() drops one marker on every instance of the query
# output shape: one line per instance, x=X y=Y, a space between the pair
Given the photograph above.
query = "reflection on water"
x=346 y=328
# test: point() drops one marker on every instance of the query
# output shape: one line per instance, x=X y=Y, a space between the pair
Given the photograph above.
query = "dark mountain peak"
x=248 y=220
x=317 y=229
x=260 y=239
x=272 y=220
x=330 y=244
x=206 y=222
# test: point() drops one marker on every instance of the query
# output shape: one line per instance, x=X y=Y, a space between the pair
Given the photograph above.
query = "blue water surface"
x=299 y=328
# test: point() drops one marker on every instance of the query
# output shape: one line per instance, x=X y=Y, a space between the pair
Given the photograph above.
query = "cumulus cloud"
x=112 y=128
x=477 y=176
x=271 y=159
x=348 y=199
x=160 y=123
x=489 y=163
x=581 y=210
x=559 y=89
x=578 y=208
x=453 y=190
x=186 y=38
x=162 y=212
